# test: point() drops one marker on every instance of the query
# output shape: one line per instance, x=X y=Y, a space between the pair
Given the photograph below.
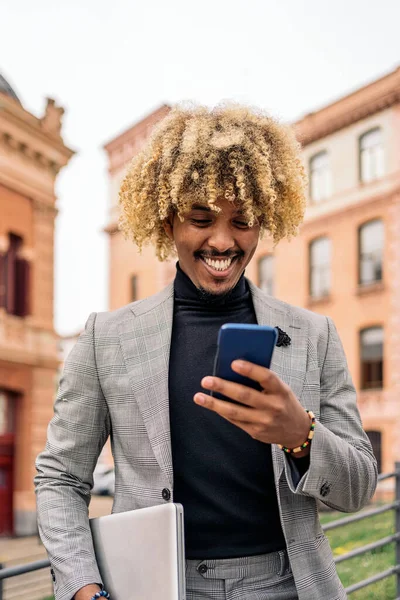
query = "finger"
x=269 y=381
x=236 y=391
x=227 y=410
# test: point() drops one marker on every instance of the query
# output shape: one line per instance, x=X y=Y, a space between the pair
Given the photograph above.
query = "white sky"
x=110 y=63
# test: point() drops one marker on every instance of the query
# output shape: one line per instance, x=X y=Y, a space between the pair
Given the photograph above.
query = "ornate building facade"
x=32 y=153
x=345 y=263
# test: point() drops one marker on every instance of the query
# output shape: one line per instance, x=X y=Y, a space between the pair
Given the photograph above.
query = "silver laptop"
x=141 y=553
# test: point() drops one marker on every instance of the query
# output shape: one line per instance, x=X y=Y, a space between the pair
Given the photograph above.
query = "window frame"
x=8 y=413
x=15 y=279
x=311 y=171
x=360 y=255
x=362 y=137
x=310 y=267
x=260 y=260
x=372 y=384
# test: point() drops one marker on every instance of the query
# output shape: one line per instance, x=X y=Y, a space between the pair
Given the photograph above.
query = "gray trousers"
x=263 y=577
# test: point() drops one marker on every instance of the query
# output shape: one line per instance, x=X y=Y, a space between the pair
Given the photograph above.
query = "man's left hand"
x=273 y=415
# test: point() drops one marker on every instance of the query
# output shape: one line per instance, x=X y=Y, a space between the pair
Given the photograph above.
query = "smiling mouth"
x=219 y=265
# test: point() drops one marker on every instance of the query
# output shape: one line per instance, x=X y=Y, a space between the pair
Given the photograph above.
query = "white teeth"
x=218 y=265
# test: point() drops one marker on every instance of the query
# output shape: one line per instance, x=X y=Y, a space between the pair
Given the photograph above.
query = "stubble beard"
x=209 y=297
x=212 y=297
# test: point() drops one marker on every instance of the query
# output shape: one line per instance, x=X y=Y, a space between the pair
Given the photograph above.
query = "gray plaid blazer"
x=115 y=382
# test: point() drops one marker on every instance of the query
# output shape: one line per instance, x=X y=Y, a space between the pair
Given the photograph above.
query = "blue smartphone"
x=254 y=343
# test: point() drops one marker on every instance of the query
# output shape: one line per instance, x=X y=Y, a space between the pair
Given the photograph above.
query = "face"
x=213 y=248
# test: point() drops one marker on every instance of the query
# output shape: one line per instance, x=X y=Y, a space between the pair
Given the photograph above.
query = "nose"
x=221 y=238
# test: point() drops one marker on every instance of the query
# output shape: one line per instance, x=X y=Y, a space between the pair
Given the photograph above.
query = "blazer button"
x=166 y=494
x=203 y=569
x=325 y=489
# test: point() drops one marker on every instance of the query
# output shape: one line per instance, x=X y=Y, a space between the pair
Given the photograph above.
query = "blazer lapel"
x=288 y=362
x=145 y=342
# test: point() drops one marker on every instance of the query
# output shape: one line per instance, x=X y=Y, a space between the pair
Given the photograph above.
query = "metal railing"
x=390 y=539
x=395 y=538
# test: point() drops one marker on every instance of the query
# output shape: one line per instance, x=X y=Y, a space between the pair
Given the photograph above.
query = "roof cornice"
x=361 y=104
x=20 y=118
x=137 y=128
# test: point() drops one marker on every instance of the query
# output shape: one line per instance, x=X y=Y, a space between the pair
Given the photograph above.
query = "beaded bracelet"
x=308 y=440
x=101 y=594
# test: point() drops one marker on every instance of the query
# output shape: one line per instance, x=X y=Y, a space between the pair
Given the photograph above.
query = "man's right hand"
x=87 y=592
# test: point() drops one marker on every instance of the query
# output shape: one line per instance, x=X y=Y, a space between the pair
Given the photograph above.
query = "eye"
x=241 y=224
x=201 y=222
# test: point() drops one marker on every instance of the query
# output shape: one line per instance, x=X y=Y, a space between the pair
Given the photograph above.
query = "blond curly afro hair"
x=197 y=155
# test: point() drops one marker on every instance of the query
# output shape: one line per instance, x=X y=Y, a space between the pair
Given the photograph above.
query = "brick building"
x=346 y=261
x=32 y=153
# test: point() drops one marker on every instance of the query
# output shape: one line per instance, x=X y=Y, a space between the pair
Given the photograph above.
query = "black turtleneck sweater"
x=223 y=478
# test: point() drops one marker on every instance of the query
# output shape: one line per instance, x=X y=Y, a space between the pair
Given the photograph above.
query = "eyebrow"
x=208 y=209
x=201 y=207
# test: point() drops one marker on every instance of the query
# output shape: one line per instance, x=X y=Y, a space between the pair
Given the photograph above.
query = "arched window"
x=320 y=177
x=371 y=155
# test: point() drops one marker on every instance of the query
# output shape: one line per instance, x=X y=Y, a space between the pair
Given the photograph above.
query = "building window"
x=320 y=177
x=266 y=267
x=7 y=413
x=371 y=155
x=372 y=358
x=14 y=279
x=371 y=240
x=133 y=288
x=375 y=437
x=320 y=267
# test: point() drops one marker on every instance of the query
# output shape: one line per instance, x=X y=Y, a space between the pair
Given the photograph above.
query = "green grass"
x=353 y=536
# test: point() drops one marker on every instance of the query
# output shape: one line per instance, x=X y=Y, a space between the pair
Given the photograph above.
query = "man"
x=207 y=185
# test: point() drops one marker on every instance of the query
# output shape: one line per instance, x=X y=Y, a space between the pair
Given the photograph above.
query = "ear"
x=169 y=226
